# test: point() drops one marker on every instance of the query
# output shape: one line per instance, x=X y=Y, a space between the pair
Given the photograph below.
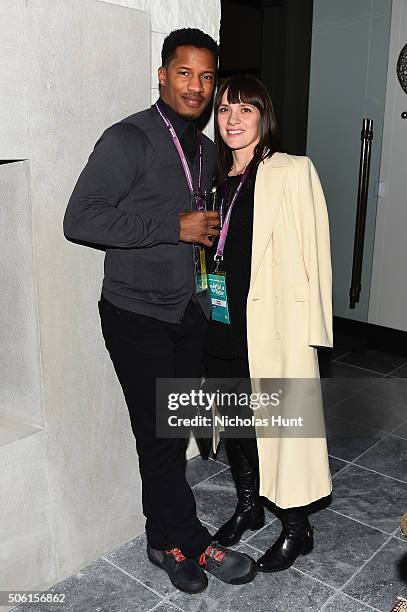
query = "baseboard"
x=356 y=335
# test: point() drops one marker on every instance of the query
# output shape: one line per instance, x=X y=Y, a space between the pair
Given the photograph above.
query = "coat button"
x=274 y=263
x=275 y=299
x=277 y=336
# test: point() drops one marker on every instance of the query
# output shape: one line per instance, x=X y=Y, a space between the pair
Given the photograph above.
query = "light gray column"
x=72 y=68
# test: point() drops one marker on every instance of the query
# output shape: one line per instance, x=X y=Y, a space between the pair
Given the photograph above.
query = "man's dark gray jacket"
x=127 y=200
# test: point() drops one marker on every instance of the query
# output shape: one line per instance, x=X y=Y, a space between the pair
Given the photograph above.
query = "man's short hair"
x=191 y=37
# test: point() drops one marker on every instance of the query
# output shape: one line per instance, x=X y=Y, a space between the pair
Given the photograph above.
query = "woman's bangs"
x=242 y=91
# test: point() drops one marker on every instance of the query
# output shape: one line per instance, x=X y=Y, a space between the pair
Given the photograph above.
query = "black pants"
x=143 y=349
x=237 y=369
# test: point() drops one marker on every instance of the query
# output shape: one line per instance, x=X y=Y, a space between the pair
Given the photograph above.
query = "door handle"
x=360 y=225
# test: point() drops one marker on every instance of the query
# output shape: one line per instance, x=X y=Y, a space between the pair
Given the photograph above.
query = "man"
x=137 y=198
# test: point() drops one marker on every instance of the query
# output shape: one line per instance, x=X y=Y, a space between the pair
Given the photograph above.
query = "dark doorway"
x=271 y=39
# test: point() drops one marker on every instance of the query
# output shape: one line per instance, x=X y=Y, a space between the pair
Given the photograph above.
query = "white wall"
x=20 y=371
x=69 y=481
x=80 y=82
x=388 y=294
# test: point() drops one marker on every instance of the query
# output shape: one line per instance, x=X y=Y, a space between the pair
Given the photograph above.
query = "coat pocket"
x=300 y=291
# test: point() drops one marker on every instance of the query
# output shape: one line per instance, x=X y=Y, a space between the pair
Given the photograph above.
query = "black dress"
x=226 y=349
x=229 y=341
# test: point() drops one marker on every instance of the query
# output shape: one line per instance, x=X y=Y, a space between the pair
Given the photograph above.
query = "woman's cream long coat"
x=289 y=313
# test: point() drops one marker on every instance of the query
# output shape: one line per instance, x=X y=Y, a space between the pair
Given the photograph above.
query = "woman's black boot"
x=249 y=513
x=295 y=539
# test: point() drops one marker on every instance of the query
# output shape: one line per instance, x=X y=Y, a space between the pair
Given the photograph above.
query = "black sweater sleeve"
x=93 y=216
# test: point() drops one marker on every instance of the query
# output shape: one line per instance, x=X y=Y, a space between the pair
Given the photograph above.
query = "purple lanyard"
x=187 y=171
x=225 y=225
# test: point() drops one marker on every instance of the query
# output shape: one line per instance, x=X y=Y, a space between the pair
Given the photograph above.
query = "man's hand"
x=198 y=226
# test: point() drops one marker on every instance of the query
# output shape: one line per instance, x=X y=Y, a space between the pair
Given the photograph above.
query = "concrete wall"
x=69 y=485
x=80 y=83
x=388 y=295
x=28 y=557
x=14 y=81
x=20 y=372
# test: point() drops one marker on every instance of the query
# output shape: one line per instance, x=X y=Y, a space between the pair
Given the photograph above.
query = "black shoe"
x=231 y=532
x=249 y=513
x=185 y=574
x=228 y=565
x=295 y=539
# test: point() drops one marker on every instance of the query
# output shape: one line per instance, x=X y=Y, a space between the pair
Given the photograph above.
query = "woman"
x=276 y=258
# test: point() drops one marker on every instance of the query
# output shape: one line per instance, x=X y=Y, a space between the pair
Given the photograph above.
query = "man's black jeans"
x=143 y=349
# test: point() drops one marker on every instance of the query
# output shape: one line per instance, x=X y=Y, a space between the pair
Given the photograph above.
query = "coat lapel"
x=268 y=196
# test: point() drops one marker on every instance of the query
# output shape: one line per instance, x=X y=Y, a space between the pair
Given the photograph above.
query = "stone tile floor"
x=359 y=562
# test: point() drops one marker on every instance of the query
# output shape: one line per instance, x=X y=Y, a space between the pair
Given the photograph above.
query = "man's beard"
x=188 y=116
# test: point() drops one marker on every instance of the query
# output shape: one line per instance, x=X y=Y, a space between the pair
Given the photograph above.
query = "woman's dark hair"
x=249 y=90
